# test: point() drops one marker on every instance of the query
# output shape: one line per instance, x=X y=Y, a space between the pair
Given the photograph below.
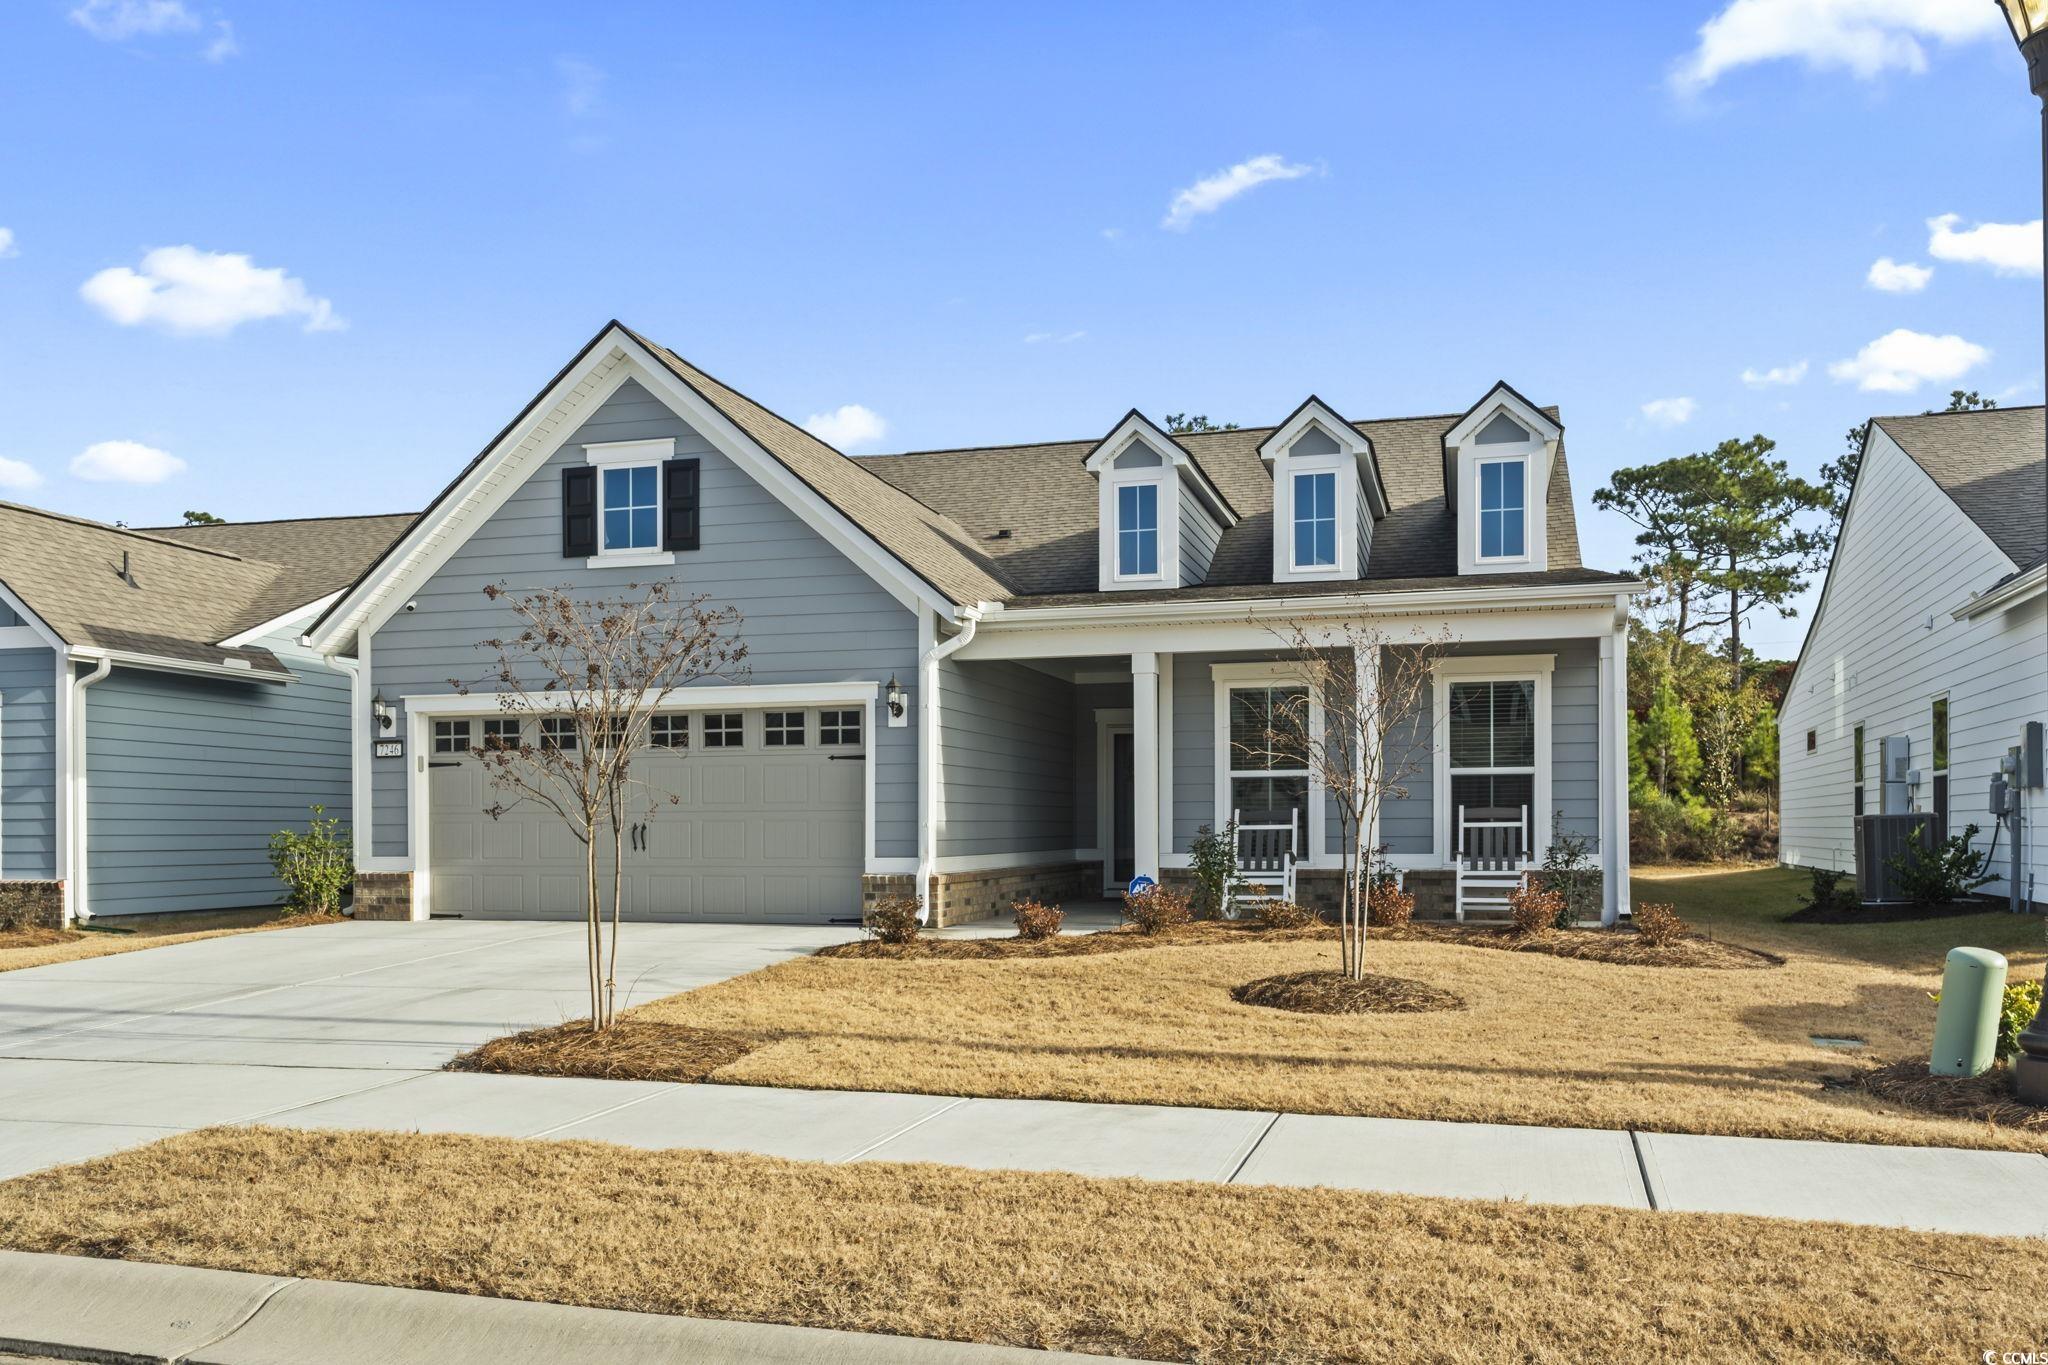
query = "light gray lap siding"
x=810 y=615
x=188 y=777
x=1199 y=533
x=28 y=771
x=1007 y=737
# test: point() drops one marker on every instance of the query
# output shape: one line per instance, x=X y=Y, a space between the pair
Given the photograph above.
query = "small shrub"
x=892 y=920
x=2022 y=1003
x=1827 y=891
x=1537 y=910
x=1157 y=908
x=1658 y=924
x=1387 y=906
x=1569 y=870
x=1213 y=856
x=1946 y=872
x=1666 y=829
x=1036 y=920
x=316 y=866
x=1275 y=913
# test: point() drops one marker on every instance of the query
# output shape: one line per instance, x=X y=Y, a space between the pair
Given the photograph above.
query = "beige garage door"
x=740 y=816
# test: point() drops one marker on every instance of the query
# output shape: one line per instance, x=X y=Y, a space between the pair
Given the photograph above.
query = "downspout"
x=353 y=669
x=928 y=757
x=75 y=785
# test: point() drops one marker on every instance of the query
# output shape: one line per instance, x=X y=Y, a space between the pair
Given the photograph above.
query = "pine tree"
x=1760 y=747
x=1668 y=743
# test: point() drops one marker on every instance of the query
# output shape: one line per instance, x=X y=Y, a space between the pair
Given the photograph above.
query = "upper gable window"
x=632 y=507
x=1137 y=530
x=1315 y=520
x=1503 y=509
x=1502 y=430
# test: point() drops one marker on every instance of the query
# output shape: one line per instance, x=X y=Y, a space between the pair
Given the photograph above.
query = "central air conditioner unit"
x=1880 y=839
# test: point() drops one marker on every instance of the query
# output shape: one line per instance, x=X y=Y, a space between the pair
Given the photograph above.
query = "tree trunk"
x=591 y=945
x=611 y=969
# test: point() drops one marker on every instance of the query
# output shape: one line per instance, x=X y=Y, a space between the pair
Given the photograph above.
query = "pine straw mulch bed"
x=1621 y=947
x=1123 y=939
x=1328 y=992
x=631 y=1049
x=1987 y=1098
x=1888 y=913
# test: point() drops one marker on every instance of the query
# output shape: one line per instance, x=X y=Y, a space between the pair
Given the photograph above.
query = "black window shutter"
x=579 y=512
x=679 y=504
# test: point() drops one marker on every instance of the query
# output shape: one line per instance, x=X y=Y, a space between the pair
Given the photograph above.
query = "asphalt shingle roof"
x=186 y=587
x=1990 y=465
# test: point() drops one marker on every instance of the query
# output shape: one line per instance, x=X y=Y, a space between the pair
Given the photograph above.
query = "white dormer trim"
x=1466 y=456
x=1356 y=468
x=1175 y=475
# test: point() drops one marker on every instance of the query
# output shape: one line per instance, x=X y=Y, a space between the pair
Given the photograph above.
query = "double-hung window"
x=1315 y=520
x=1503 y=509
x=1493 y=752
x=1137 y=530
x=1940 y=746
x=1267 y=755
x=630 y=511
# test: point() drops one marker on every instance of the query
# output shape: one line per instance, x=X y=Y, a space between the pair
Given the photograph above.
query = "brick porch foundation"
x=962 y=897
x=37 y=904
x=383 y=895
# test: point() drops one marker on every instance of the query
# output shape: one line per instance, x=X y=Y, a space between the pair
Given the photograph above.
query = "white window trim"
x=1309 y=467
x=1166 y=514
x=630 y=455
x=1270 y=674
x=1479 y=463
x=1535 y=668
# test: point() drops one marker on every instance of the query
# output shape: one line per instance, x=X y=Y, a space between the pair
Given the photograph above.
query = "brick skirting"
x=383 y=895
x=33 y=903
x=961 y=897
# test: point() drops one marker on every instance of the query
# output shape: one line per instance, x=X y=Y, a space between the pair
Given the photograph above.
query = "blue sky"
x=959 y=219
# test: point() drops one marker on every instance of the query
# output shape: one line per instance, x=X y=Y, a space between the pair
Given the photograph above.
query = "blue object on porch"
x=1140 y=884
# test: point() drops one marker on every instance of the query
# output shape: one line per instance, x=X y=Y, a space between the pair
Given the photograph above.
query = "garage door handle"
x=848 y=758
x=445 y=763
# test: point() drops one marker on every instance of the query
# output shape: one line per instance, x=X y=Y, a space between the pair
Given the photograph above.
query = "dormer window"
x=1315 y=520
x=1503 y=509
x=1137 y=530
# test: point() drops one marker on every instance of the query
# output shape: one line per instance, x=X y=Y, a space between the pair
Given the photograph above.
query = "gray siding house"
x=159 y=717
x=978 y=674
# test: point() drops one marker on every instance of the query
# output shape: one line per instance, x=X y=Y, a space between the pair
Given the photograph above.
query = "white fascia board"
x=1314 y=412
x=1318 y=604
x=1136 y=430
x=43 y=632
x=298 y=613
x=157 y=663
x=738 y=696
x=2026 y=587
x=1501 y=398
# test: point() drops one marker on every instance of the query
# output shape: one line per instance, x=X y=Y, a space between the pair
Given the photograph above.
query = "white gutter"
x=240 y=672
x=1233 y=609
x=74 y=784
x=928 y=756
x=2011 y=593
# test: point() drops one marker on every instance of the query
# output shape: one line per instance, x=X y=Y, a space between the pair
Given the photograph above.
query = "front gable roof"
x=1989 y=463
x=1541 y=423
x=1138 y=429
x=1314 y=412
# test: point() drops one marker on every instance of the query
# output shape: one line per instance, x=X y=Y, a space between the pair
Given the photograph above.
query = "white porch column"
x=1145 y=759
x=1165 y=758
x=1614 y=824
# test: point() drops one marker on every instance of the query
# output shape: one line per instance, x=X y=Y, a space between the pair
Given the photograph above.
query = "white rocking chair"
x=1492 y=857
x=1266 y=855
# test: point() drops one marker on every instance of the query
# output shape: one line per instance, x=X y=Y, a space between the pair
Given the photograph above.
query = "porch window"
x=1267 y=773
x=1137 y=530
x=1493 y=751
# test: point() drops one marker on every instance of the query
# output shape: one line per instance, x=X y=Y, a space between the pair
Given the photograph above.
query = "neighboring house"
x=1932 y=628
x=979 y=674
x=158 y=717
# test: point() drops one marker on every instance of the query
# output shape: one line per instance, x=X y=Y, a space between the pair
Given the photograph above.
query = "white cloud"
x=1898 y=277
x=845 y=427
x=582 y=85
x=17 y=475
x=223 y=45
x=1212 y=192
x=188 y=291
x=1776 y=377
x=125 y=462
x=2008 y=248
x=115 y=20
x=1863 y=37
x=1057 y=338
x=7 y=246
x=1112 y=234
x=1901 y=361
x=1670 y=412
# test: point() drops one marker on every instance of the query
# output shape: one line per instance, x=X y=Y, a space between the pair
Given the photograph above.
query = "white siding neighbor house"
x=1932 y=629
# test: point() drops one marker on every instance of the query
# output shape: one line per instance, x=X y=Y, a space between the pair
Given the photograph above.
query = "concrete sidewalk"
x=75 y=1308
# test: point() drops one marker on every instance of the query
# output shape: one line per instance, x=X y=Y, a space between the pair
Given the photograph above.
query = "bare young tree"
x=1360 y=736
x=583 y=677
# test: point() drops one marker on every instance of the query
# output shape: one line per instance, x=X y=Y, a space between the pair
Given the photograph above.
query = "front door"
x=1123 y=820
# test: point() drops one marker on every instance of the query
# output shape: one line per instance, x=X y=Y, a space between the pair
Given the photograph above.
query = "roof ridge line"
x=279 y=521
x=138 y=534
x=1092 y=441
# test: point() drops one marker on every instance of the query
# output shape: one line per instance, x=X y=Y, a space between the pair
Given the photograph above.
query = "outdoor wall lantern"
x=387 y=718
x=893 y=698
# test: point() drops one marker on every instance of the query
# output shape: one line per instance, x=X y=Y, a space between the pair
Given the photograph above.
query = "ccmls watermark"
x=2036 y=1356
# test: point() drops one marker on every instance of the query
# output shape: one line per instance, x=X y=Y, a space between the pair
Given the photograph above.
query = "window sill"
x=632 y=559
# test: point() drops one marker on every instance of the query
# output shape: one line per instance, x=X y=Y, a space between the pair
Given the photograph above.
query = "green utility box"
x=1966 y=1022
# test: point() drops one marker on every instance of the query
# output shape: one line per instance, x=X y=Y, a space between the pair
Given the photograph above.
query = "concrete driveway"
x=115 y=1051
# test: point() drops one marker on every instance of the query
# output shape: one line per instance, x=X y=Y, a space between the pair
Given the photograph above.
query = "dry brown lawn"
x=42 y=947
x=1168 y=1271
x=1542 y=1040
